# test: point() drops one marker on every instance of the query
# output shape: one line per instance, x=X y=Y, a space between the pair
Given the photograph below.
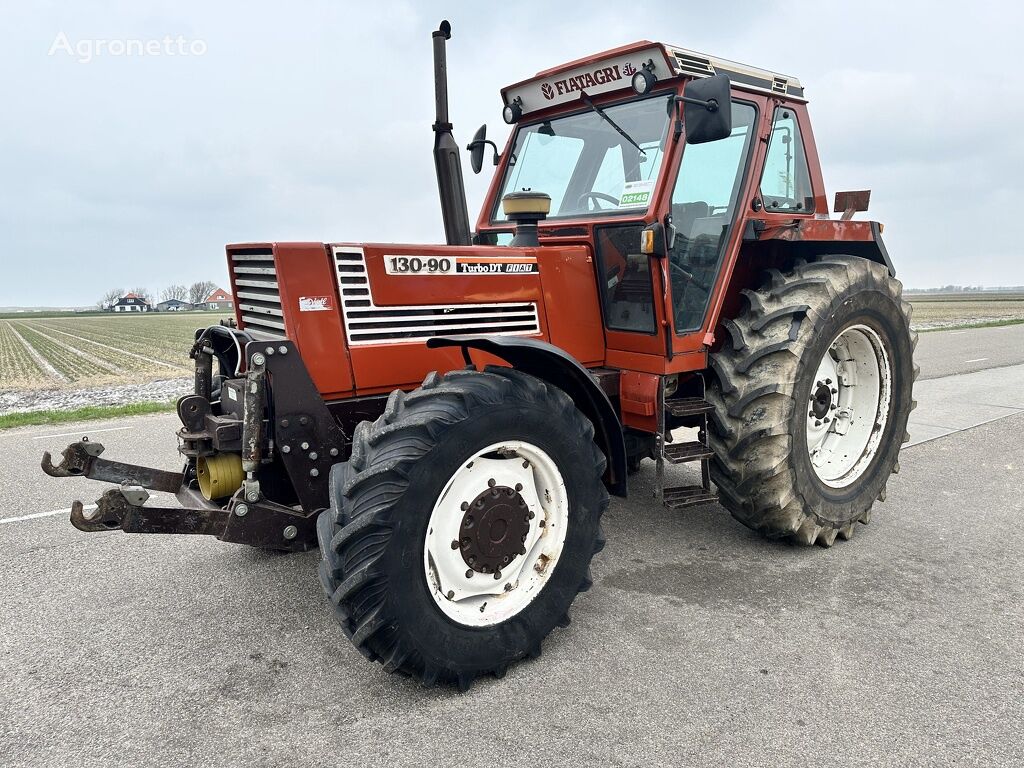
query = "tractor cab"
x=649 y=156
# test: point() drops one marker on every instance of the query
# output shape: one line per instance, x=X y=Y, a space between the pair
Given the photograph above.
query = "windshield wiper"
x=601 y=112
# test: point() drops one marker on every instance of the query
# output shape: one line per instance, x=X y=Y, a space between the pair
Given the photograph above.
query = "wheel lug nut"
x=526 y=464
x=522 y=550
x=531 y=515
x=519 y=487
x=817 y=423
x=455 y=544
x=543 y=523
x=465 y=506
x=491 y=483
x=828 y=381
x=834 y=391
x=451 y=593
x=469 y=573
x=497 y=575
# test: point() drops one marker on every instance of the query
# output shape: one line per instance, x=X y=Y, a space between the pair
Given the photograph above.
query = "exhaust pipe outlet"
x=525 y=209
x=450 y=185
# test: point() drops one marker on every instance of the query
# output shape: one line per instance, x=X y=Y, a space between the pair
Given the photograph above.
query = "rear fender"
x=555 y=366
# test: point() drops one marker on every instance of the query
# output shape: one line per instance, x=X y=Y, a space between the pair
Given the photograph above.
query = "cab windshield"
x=587 y=166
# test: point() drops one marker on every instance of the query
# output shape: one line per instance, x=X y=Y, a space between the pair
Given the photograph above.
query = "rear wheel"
x=812 y=392
x=463 y=525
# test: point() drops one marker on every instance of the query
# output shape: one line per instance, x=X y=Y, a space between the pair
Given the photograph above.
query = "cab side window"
x=786 y=181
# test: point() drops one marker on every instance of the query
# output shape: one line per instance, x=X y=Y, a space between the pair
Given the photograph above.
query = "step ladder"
x=683 y=496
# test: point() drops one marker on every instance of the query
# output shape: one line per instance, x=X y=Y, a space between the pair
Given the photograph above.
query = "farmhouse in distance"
x=134 y=301
x=219 y=299
x=173 y=305
x=131 y=302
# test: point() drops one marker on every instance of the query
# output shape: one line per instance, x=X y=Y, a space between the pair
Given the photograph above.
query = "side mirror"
x=476 y=149
x=707 y=109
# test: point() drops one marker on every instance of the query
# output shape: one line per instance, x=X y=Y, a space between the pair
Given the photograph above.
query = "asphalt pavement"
x=700 y=644
x=946 y=353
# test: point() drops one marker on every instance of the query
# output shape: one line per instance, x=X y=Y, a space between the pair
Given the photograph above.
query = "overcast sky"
x=311 y=121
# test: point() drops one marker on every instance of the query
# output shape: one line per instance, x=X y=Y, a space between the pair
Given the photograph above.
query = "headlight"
x=644 y=79
x=512 y=112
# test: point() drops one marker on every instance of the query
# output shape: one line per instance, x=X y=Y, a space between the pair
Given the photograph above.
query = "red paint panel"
x=820 y=230
x=305 y=271
x=571 y=303
x=638 y=395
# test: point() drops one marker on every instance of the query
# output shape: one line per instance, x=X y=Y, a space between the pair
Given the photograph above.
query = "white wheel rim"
x=473 y=598
x=848 y=406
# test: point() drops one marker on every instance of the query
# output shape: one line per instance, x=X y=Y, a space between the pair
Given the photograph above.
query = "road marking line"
x=36 y=515
x=976 y=360
x=956 y=333
x=72 y=434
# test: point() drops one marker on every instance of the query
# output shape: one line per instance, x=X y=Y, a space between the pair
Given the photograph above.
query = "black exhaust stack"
x=446 y=152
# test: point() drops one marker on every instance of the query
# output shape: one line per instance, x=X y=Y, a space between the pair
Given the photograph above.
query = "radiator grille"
x=366 y=323
x=259 y=299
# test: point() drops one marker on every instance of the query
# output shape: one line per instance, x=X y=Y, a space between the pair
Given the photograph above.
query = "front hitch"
x=257 y=522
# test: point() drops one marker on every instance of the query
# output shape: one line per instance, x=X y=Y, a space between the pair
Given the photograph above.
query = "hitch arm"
x=259 y=524
x=121 y=508
x=82 y=459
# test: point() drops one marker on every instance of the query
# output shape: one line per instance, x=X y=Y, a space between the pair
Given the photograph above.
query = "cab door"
x=708 y=207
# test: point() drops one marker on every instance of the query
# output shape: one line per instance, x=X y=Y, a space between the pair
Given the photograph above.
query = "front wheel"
x=812 y=393
x=463 y=525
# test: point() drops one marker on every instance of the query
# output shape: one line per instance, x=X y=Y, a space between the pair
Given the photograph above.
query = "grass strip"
x=86 y=413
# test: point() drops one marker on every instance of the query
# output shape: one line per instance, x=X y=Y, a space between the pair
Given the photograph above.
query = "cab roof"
x=613 y=70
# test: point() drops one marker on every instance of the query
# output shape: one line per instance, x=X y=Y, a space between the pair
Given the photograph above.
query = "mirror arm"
x=485 y=142
x=711 y=105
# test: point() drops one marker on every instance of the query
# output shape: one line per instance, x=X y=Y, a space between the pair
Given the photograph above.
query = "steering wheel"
x=587 y=197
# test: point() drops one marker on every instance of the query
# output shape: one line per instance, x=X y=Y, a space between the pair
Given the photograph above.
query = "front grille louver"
x=256 y=290
x=367 y=323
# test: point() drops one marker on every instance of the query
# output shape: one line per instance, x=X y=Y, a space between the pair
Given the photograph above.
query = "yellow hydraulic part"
x=219 y=475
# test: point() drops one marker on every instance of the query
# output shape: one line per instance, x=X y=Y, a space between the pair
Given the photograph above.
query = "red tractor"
x=655 y=252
